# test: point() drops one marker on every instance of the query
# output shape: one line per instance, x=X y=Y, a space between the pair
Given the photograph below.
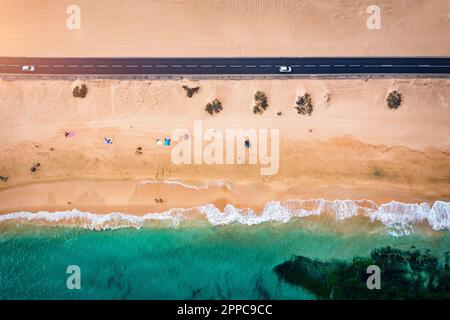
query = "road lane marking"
x=310 y=65
x=250 y=66
x=355 y=65
x=147 y=66
x=265 y=66
x=176 y=66
x=132 y=66
x=206 y=66
x=73 y=66
x=339 y=65
x=117 y=66
x=191 y=66
x=220 y=66
x=161 y=66
x=87 y=66
x=236 y=66
x=324 y=65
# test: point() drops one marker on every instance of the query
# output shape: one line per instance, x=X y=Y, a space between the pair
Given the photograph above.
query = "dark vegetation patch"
x=261 y=103
x=405 y=274
x=214 y=107
x=190 y=91
x=304 y=104
x=80 y=91
x=394 y=99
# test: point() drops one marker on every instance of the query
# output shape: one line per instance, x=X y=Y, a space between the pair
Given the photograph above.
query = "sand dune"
x=224 y=28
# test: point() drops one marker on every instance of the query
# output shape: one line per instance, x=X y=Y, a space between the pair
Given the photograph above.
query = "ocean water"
x=195 y=260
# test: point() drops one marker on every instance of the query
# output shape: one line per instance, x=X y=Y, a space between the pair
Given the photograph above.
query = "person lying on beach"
x=4 y=179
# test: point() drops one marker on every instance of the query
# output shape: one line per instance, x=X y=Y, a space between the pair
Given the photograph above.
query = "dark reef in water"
x=405 y=274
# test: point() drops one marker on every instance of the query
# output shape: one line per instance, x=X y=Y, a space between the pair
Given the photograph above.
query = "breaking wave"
x=399 y=218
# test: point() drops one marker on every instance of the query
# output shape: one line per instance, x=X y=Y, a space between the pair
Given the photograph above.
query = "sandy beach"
x=351 y=147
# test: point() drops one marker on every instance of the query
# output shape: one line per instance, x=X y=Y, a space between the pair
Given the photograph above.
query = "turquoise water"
x=189 y=262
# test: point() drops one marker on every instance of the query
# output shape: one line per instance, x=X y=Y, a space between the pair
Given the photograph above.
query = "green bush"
x=214 y=107
x=304 y=104
x=80 y=92
x=394 y=99
x=261 y=103
x=190 y=91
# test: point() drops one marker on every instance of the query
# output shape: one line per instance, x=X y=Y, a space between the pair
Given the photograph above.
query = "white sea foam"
x=399 y=218
x=218 y=183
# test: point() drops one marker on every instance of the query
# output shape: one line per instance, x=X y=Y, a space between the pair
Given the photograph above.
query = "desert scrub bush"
x=80 y=92
x=394 y=99
x=304 y=104
x=260 y=102
x=190 y=91
x=214 y=107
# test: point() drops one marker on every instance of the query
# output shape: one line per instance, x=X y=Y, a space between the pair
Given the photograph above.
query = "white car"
x=285 y=69
x=29 y=68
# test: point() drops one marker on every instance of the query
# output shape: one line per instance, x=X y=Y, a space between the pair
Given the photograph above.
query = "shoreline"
x=136 y=197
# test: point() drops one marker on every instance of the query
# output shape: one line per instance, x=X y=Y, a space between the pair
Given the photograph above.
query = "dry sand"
x=352 y=147
x=224 y=28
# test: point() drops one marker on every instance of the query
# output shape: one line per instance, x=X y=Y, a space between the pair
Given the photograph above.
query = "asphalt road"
x=227 y=66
